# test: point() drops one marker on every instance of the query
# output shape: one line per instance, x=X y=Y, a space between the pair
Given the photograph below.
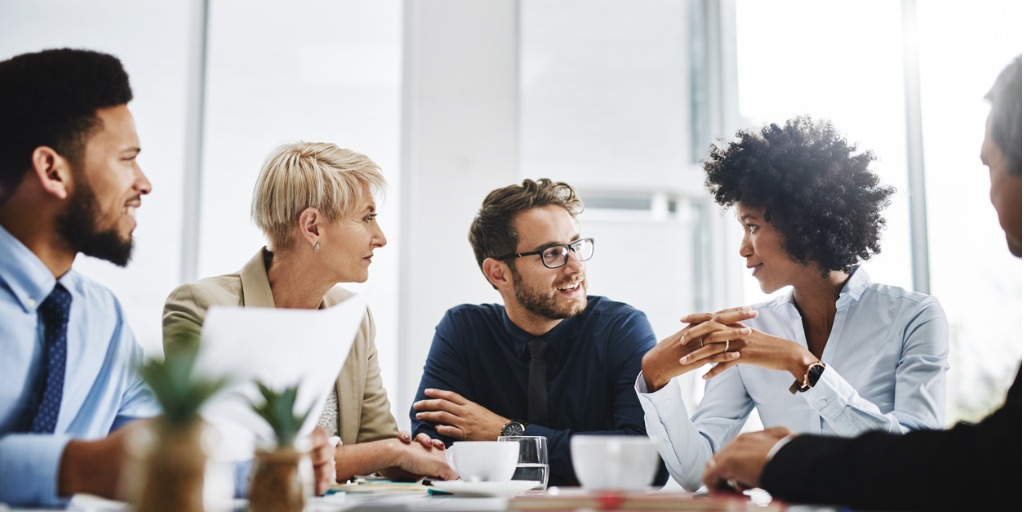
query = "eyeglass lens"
x=557 y=256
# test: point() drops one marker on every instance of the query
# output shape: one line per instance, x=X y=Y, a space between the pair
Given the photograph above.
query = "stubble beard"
x=547 y=304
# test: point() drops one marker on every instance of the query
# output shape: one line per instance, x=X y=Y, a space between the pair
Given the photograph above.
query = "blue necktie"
x=54 y=315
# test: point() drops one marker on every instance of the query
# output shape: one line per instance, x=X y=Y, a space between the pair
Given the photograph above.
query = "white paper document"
x=279 y=347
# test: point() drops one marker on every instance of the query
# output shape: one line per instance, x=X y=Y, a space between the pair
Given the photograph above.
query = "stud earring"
x=316 y=246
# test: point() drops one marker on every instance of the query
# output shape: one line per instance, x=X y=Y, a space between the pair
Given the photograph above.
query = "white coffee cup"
x=614 y=462
x=483 y=461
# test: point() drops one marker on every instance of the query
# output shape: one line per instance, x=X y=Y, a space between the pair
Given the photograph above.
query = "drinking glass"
x=533 y=459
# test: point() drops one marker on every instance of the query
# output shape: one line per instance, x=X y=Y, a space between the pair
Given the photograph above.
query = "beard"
x=547 y=304
x=77 y=226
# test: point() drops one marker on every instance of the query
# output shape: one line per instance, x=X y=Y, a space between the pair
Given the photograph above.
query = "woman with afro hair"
x=838 y=354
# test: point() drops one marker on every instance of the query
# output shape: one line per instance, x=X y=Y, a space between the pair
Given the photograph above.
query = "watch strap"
x=811 y=376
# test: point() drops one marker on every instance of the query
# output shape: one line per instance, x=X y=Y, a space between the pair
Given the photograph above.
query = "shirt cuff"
x=666 y=398
x=29 y=468
x=827 y=397
x=641 y=384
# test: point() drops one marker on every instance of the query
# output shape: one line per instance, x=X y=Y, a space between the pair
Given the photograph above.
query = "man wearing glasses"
x=551 y=361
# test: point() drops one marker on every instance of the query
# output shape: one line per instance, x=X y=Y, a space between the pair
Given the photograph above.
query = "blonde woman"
x=315 y=202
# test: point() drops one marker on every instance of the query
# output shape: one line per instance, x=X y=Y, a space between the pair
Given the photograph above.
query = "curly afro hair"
x=812 y=187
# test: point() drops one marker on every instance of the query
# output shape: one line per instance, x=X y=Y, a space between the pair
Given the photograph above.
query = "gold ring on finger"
x=702 y=343
x=726 y=346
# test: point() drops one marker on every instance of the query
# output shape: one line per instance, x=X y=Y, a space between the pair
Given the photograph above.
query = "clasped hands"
x=707 y=338
x=721 y=338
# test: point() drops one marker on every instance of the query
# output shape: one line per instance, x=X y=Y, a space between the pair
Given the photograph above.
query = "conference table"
x=384 y=496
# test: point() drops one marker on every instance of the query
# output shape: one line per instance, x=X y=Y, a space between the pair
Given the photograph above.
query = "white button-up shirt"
x=885 y=370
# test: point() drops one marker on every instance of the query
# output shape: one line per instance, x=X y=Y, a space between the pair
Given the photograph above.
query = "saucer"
x=462 y=488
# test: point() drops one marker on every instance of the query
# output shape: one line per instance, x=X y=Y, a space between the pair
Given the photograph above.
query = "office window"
x=973 y=273
x=605 y=105
x=304 y=70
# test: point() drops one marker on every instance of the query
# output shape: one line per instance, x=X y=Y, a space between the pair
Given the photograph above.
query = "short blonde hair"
x=304 y=175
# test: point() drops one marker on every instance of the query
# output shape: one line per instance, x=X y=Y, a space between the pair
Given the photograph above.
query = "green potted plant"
x=170 y=449
x=277 y=482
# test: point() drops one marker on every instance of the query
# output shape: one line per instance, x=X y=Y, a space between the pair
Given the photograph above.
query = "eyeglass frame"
x=565 y=247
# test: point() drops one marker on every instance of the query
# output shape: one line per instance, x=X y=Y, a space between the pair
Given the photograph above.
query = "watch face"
x=814 y=374
x=513 y=428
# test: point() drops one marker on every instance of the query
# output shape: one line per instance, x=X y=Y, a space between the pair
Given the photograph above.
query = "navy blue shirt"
x=593 y=361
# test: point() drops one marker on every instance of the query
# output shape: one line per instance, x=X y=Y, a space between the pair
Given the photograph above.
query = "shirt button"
x=31 y=303
x=822 y=403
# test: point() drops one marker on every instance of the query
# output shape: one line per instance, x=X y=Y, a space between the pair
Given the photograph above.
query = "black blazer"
x=967 y=467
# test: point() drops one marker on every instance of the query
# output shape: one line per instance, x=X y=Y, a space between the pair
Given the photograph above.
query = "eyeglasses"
x=557 y=256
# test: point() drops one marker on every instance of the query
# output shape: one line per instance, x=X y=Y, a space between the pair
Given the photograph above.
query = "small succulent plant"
x=180 y=394
x=278 y=409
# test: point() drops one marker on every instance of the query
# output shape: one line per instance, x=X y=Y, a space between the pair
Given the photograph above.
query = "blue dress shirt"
x=102 y=389
x=885 y=370
x=592 y=361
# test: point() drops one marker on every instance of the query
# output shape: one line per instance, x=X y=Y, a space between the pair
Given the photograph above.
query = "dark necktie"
x=537 y=388
x=54 y=315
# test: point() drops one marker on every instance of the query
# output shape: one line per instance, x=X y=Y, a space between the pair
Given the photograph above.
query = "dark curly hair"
x=50 y=98
x=493 y=232
x=812 y=185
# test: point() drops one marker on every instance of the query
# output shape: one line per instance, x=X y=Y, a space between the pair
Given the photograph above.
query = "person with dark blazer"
x=962 y=468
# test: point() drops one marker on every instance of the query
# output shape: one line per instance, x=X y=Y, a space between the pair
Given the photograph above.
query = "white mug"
x=483 y=461
x=614 y=462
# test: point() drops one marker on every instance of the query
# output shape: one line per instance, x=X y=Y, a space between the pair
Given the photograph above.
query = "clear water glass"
x=533 y=459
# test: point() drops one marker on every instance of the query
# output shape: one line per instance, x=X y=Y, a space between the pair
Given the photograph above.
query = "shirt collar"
x=521 y=338
x=852 y=290
x=856 y=284
x=24 y=273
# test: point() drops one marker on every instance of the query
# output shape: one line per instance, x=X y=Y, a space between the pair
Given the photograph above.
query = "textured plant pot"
x=173 y=465
x=277 y=483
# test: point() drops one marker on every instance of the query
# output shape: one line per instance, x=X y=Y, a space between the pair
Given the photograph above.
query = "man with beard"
x=69 y=183
x=552 y=361
x=962 y=468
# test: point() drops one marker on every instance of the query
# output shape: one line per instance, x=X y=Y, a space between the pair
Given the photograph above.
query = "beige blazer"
x=363 y=407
